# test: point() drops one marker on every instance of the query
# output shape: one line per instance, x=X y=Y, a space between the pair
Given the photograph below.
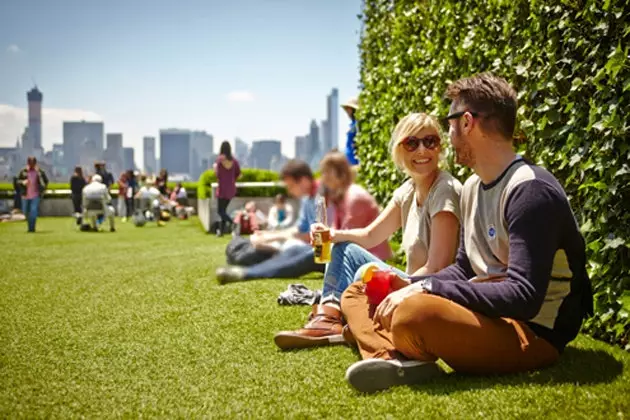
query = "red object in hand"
x=378 y=284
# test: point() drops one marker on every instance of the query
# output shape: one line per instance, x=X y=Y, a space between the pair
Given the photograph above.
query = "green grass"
x=133 y=324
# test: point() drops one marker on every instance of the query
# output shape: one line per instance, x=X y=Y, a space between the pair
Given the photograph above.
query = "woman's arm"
x=376 y=232
x=443 y=243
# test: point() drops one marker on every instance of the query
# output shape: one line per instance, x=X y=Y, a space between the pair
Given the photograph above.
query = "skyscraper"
x=264 y=152
x=324 y=134
x=313 y=149
x=332 y=117
x=82 y=143
x=113 y=155
x=148 y=148
x=129 y=158
x=301 y=147
x=201 y=151
x=241 y=151
x=35 y=98
x=175 y=151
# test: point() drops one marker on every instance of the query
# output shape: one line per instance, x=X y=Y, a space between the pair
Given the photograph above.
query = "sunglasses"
x=412 y=143
x=458 y=115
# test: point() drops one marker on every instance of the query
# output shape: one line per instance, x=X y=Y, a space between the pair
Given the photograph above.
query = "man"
x=33 y=181
x=351 y=106
x=97 y=203
x=151 y=199
x=296 y=257
x=107 y=177
x=518 y=291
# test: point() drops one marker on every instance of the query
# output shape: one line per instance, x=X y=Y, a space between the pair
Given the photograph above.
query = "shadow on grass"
x=576 y=366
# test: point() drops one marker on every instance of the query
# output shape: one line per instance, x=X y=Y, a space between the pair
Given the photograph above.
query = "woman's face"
x=421 y=151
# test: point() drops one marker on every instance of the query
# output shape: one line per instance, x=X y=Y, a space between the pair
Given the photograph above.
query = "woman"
x=77 y=182
x=227 y=170
x=280 y=214
x=161 y=182
x=426 y=207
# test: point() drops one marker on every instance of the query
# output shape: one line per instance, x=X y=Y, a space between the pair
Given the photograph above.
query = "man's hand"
x=385 y=310
x=258 y=239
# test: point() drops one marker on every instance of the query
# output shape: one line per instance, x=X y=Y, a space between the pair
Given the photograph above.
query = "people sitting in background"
x=150 y=200
x=248 y=220
x=518 y=291
x=77 y=183
x=161 y=182
x=426 y=207
x=280 y=214
x=33 y=182
x=351 y=206
x=97 y=203
x=179 y=195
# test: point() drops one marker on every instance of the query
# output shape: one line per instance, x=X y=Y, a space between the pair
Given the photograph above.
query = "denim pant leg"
x=291 y=263
x=348 y=262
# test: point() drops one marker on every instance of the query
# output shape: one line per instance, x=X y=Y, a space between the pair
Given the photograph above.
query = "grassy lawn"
x=132 y=323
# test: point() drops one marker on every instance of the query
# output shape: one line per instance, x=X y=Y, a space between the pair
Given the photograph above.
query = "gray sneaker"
x=373 y=375
x=230 y=274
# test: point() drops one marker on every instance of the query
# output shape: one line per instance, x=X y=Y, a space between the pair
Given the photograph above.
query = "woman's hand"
x=320 y=226
x=385 y=310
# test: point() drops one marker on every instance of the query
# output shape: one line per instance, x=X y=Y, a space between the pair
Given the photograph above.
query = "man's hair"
x=296 y=169
x=338 y=163
x=492 y=97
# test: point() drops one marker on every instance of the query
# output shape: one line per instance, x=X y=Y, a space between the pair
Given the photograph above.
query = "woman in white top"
x=426 y=207
x=280 y=214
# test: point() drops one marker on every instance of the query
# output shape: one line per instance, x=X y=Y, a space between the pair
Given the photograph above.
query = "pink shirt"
x=32 y=187
x=357 y=210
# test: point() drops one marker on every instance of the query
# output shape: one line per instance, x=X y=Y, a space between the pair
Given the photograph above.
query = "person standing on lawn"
x=33 y=181
x=351 y=106
x=425 y=207
x=518 y=291
x=228 y=171
x=77 y=182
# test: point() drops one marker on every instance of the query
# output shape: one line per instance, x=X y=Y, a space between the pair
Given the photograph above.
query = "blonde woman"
x=425 y=207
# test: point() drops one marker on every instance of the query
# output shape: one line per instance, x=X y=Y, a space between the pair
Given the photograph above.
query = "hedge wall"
x=247 y=175
x=569 y=62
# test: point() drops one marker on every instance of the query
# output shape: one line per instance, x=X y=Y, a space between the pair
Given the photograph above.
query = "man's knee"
x=351 y=294
x=417 y=318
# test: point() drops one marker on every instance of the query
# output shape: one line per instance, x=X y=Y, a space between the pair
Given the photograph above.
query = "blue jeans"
x=30 y=207
x=347 y=264
x=290 y=263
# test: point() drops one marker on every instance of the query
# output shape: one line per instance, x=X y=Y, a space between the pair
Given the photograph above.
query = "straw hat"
x=351 y=103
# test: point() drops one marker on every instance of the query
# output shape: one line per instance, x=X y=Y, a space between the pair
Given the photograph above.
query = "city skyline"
x=236 y=81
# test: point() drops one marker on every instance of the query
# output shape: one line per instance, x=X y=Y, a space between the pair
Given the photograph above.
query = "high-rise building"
x=82 y=143
x=175 y=146
x=314 y=152
x=301 y=147
x=324 y=134
x=35 y=98
x=332 y=117
x=264 y=152
x=113 y=154
x=241 y=151
x=148 y=148
x=129 y=158
x=201 y=150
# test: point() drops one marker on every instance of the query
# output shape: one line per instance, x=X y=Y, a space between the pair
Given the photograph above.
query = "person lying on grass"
x=518 y=291
x=426 y=207
x=351 y=207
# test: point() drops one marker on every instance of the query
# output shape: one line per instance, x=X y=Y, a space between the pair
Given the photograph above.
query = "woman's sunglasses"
x=412 y=143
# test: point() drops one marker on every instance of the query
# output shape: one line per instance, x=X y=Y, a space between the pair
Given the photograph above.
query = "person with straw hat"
x=351 y=106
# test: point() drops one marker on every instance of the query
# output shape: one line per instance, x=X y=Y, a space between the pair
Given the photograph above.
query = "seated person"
x=518 y=291
x=179 y=195
x=151 y=200
x=280 y=214
x=248 y=220
x=425 y=207
x=346 y=200
x=97 y=203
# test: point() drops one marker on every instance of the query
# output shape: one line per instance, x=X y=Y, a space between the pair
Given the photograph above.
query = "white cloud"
x=13 y=120
x=240 y=96
x=13 y=49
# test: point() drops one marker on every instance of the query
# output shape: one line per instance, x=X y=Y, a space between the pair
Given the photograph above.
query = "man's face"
x=293 y=187
x=30 y=163
x=460 y=136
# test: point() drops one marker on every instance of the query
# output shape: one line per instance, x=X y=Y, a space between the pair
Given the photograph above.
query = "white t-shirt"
x=96 y=191
x=416 y=220
x=148 y=193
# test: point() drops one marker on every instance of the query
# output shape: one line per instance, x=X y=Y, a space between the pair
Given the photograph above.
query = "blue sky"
x=254 y=69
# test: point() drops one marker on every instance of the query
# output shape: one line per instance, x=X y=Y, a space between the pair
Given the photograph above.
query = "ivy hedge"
x=568 y=61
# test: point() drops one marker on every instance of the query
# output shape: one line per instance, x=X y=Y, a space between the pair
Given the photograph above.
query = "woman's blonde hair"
x=408 y=126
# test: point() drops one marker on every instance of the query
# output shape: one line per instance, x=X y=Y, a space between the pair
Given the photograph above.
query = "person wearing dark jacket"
x=518 y=291
x=33 y=181
x=17 y=196
x=77 y=182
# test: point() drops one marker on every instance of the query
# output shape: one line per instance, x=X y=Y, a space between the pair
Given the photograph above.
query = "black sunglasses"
x=412 y=143
x=457 y=115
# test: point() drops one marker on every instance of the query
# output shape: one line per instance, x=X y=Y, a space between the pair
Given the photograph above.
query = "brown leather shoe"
x=323 y=328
